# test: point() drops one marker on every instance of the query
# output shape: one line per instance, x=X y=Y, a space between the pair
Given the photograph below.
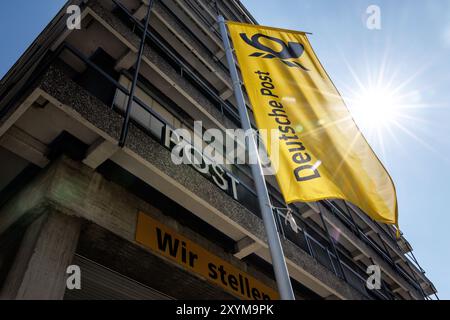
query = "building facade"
x=131 y=221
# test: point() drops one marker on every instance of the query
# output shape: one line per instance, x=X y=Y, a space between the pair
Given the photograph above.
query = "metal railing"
x=353 y=274
x=381 y=251
x=182 y=65
x=311 y=245
x=200 y=43
x=309 y=242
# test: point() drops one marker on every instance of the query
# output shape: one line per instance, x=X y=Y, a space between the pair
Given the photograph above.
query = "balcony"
x=107 y=88
x=306 y=240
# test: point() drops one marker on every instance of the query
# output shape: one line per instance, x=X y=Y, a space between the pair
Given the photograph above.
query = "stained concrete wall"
x=58 y=85
x=74 y=190
x=46 y=250
x=156 y=59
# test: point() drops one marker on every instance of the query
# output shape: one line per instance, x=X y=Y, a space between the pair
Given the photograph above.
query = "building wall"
x=101 y=217
x=73 y=109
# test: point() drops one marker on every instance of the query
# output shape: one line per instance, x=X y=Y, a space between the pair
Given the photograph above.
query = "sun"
x=384 y=112
x=389 y=103
x=375 y=108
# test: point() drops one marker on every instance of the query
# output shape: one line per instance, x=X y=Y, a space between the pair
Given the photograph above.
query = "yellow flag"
x=322 y=153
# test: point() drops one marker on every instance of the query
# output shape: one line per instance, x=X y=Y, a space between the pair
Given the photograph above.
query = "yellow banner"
x=168 y=243
x=322 y=153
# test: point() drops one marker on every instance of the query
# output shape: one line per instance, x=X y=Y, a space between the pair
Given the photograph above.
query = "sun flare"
x=376 y=107
x=385 y=109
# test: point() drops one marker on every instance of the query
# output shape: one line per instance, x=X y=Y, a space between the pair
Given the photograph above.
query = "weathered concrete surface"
x=73 y=189
x=159 y=9
x=39 y=268
x=160 y=63
x=155 y=271
x=362 y=247
x=71 y=95
x=65 y=188
x=99 y=115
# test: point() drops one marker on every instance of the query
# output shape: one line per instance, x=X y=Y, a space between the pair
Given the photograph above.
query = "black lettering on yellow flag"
x=322 y=153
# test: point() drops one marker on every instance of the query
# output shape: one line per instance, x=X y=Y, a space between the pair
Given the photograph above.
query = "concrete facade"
x=72 y=192
x=69 y=193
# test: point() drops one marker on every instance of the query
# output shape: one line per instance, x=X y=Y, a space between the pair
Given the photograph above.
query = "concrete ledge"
x=46 y=250
x=73 y=189
x=74 y=100
x=152 y=58
x=362 y=247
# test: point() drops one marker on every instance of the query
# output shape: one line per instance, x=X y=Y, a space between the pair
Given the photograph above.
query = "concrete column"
x=39 y=269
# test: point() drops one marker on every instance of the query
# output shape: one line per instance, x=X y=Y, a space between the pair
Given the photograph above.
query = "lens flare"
x=388 y=104
x=376 y=107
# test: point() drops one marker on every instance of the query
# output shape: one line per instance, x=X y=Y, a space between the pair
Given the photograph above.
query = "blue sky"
x=21 y=21
x=410 y=51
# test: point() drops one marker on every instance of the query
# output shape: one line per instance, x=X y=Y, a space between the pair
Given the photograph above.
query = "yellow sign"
x=321 y=152
x=168 y=243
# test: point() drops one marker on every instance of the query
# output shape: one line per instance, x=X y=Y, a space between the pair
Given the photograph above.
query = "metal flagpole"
x=276 y=251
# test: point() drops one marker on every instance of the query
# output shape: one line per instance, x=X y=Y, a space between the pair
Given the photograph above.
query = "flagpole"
x=273 y=239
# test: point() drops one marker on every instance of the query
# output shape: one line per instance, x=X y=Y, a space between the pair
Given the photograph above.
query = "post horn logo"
x=289 y=51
